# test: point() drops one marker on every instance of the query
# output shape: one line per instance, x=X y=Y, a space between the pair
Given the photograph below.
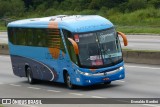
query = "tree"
x=28 y=4
x=155 y=3
x=136 y=4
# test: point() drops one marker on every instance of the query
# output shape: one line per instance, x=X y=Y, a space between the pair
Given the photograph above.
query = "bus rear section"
x=75 y=50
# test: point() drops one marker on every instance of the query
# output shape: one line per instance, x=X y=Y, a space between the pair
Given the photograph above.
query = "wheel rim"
x=69 y=81
x=29 y=77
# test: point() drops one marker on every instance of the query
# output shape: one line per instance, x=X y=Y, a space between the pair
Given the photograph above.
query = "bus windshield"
x=99 y=49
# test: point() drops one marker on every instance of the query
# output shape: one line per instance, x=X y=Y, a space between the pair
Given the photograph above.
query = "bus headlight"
x=120 y=68
x=83 y=73
x=87 y=74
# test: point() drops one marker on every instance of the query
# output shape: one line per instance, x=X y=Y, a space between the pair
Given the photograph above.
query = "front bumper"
x=85 y=80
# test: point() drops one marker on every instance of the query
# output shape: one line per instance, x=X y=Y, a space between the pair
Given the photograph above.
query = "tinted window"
x=20 y=36
x=70 y=48
x=40 y=37
x=11 y=35
x=36 y=37
x=55 y=40
x=29 y=37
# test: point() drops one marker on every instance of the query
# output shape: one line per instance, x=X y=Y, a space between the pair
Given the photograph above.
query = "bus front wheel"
x=30 y=76
x=68 y=81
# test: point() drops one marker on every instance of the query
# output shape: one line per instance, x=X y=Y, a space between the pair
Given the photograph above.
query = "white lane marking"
x=53 y=91
x=5 y=57
x=34 y=88
x=120 y=81
x=151 y=105
x=97 y=97
x=15 y=85
x=141 y=67
x=76 y=94
x=26 y=105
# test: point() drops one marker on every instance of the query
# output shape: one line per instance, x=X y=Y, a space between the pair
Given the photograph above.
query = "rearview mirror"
x=75 y=46
x=125 y=41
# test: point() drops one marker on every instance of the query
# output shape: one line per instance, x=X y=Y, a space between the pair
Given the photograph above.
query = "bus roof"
x=75 y=23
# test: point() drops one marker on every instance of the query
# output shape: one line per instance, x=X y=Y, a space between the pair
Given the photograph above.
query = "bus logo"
x=76 y=37
x=6 y=101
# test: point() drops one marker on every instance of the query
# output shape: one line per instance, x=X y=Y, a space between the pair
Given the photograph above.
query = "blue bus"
x=76 y=50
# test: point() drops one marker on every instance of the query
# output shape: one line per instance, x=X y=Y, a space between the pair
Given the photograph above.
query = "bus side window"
x=29 y=37
x=20 y=36
x=11 y=35
x=68 y=34
x=43 y=37
x=40 y=37
x=54 y=39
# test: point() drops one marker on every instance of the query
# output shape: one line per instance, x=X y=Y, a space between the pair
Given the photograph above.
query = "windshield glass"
x=97 y=49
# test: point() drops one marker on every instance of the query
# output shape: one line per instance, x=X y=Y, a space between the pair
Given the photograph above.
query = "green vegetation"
x=139 y=29
x=131 y=50
x=129 y=16
x=3 y=28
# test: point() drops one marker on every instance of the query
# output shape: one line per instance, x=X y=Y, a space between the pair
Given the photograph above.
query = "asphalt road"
x=142 y=42
x=137 y=42
x=3 y=37
x=142 y=81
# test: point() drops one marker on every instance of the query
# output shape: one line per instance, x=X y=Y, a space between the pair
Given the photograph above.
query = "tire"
x=30 y=76
x=68 y=81
x=107 y=83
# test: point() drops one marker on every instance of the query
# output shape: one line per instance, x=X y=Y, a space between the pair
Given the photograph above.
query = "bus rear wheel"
x=30 y=78
x=68 y=81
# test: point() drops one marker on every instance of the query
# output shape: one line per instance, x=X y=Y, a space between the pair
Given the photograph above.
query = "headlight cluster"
x=120 y=68
x=83 y=73
x=100 y=74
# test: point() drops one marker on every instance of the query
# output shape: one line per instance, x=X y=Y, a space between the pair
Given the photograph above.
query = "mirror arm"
x=75 y=45
x=124 y=38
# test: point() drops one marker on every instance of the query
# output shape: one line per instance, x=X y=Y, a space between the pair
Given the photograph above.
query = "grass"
x=125 y=29
x=140 y=21
x=131 y=50
x=143 y=17
x=3 y=28
x=138 y=29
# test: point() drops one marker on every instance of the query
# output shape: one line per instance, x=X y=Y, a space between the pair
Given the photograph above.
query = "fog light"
x=78 y=79
x=120 y=76
x=88 y=81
